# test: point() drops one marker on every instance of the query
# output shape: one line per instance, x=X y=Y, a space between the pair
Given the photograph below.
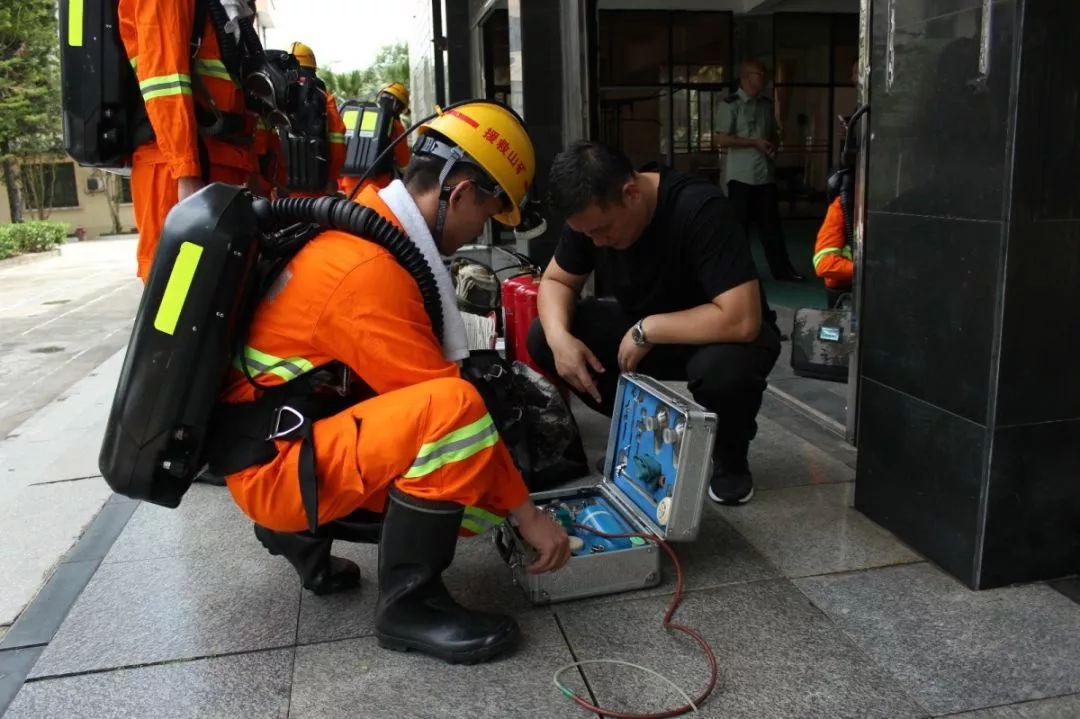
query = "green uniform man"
x=750 y=134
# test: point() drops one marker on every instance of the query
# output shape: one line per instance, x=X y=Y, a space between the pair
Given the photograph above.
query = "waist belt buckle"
x=285 y=414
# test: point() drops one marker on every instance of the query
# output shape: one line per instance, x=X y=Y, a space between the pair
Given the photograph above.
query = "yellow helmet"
x=304 y=55
x=399 y=92
x=492 y=137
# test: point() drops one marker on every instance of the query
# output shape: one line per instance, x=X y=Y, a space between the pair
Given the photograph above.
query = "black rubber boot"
x=415 y=610
x=310 y=556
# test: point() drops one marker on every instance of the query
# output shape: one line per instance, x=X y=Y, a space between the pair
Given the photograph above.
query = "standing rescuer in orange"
x=414 y=442
x=184 y=97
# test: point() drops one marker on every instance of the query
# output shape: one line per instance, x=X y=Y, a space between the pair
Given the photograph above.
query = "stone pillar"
x=969 y=430
x=535 y=58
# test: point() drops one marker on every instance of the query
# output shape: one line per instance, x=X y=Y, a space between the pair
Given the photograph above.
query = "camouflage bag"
x=821 y=343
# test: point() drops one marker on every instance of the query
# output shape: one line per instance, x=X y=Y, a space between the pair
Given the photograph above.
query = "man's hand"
x=765 y=147
x=187 y=186
x=630 y=354
x=544 y=535
x=573 y=361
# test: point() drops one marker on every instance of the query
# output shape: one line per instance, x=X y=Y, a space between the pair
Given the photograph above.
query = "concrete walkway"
x=64 y=320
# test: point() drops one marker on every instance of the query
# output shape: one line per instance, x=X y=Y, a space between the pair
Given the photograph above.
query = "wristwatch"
x=637 y=333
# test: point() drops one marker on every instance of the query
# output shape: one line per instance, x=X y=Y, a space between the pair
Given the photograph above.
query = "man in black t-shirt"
x=687 y=302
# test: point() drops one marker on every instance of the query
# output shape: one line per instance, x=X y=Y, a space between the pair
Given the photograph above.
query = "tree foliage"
x=391 y=65
x=29 y=88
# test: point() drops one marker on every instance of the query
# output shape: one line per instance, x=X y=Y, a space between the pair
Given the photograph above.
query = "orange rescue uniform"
x=832 y=254
x=427 y=430
x=402 y=156
x=156 y=36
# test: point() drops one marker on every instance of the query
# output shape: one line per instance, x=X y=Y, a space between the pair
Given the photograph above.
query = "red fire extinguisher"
x=516 y=330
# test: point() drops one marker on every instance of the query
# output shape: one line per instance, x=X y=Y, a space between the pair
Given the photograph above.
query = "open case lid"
x=659 y=456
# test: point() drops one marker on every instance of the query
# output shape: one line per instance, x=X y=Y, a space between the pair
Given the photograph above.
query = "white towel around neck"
x=455 y=346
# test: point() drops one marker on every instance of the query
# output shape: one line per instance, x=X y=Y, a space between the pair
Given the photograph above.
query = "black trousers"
x=760 y=204
x=834 y=296
x=728 y=379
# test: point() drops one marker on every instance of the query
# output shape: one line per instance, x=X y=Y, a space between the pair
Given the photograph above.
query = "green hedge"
x=30 y=237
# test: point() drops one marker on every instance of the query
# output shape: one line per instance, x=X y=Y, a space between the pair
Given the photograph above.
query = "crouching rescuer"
x=344 y=415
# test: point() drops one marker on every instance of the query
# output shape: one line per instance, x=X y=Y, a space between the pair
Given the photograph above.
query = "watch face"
x=635 y=334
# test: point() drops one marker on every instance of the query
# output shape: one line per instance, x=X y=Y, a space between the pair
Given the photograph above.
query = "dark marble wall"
x=1033 y=505
x=542 y=88
x=970 y=404
x=539 y=28
x=458 y=60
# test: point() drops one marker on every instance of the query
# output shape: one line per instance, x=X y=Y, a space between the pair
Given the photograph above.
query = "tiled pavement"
x=813 y=610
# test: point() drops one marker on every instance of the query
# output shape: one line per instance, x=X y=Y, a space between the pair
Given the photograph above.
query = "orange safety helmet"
x=492 y=137
x=399 y=92
x=304 y=55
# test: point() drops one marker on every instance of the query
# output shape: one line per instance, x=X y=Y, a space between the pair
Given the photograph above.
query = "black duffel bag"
x=534 y=421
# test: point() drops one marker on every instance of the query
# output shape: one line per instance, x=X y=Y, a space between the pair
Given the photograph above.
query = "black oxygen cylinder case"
x=181 y=345
x=99 y=92
x=367 y=137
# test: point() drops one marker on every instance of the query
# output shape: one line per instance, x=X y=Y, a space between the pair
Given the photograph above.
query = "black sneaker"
x=731 y=488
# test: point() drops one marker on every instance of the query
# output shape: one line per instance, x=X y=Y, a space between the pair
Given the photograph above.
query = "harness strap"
x=306 y=470
x=309 y=480
x=244 y=434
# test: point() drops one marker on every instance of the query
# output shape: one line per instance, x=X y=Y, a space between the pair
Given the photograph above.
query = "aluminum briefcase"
x=656 y=474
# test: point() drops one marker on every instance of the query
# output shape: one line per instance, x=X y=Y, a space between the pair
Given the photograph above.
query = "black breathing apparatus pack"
x=104 y=115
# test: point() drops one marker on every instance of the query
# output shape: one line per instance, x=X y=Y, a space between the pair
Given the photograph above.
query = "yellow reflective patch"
x=349 y=118
x=368 y=122
x=75 y=23
x=176 y=291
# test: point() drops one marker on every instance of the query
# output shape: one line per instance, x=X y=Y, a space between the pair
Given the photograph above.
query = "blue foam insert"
x=608 y=520
x=630 y=416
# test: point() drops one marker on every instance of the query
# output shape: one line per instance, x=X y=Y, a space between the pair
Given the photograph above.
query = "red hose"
x=676 y=600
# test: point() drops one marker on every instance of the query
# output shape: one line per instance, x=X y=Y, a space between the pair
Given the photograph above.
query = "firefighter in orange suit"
x=399 y=95
x=418 y=446
x=833 y=259
x=832 y=253
x=335 y=128
x=179 y=92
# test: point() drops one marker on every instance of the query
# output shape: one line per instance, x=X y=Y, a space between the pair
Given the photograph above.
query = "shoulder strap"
x=198 y=27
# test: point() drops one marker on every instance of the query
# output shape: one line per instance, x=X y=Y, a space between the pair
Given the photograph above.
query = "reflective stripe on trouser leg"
x=454 y=447
x=458 y=446
x=462 y=459
x=478 y=521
